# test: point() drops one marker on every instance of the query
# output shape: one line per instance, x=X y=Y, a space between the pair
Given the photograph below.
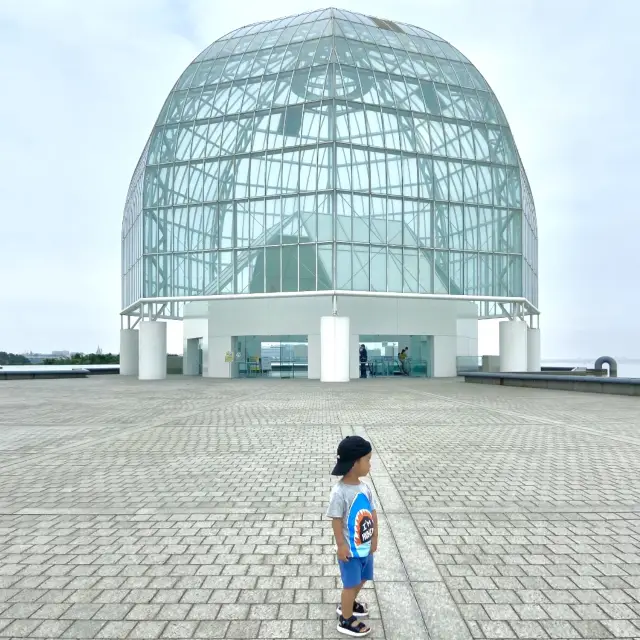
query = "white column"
x=334 y=349
x=128 y=352
x=354 y=356
x=513 y=346
x=191 y=357
x=533 y=349
x=153 y=350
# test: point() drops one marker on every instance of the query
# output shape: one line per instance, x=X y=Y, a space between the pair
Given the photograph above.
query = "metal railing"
x=391 y=366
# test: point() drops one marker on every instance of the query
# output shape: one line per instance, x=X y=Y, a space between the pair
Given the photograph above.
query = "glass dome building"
x=329 y=158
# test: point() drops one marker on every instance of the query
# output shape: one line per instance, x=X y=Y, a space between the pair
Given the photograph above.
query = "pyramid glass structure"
x=330 y=151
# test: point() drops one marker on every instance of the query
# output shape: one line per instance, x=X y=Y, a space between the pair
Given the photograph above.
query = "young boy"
x=355 y=527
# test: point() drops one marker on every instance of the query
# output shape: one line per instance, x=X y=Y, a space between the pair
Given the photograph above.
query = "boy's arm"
x=374 y=540
x=343 y=549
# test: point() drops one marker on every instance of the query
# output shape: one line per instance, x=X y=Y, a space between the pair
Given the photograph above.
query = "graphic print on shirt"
x=360 y=524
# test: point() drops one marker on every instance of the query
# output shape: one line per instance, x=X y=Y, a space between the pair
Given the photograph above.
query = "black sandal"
x=352 y=627
x=360 y=609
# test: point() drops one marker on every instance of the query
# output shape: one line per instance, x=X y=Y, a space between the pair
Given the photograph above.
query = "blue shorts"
x=356 y=570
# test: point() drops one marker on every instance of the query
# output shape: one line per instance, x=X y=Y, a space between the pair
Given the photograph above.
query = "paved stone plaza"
x=193 y=508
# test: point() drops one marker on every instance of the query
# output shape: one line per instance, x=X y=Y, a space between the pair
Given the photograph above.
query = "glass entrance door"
x=272 y=356
x=384 y=355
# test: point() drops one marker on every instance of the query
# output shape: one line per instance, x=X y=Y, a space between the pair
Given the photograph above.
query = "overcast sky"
x=83 y=81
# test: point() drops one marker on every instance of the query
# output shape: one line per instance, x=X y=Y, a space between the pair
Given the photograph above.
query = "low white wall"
x=467 y=332
x=444 y=356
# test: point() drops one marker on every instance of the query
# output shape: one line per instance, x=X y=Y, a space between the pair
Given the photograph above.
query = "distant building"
x=334 y=179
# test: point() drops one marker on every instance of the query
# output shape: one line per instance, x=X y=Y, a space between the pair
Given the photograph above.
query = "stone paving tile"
x=173 y=509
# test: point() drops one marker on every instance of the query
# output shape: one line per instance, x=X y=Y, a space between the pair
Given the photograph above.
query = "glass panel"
x=456 y=273
x=150 y=221
x=343 y=217
x=394 y=221
x=325 y=218
x=225 y=272
x=501 y=231
x=394 y=270
x=273 y=222
x=378 y=172
x=470 y=228
x=470 y=273
x=394 y=174
x=425 y=266
x=361 y=268
x=410 y=176
x=501 y=275
x=196 y=233
x=308 y=268
x=410 y=271
x=226 y=240
x=344 y=268
x=411 y=222
x=378 y=219
x=360 y=218
x=272 y=269
x=485 y=228
x=456 y=221
x=441 y=225
x=456 y=193
x=426 y=177
x=515 y=231
x=485 y=274
x=441 y=180
x=325 y=267
x=290 y=268
x=378 y=268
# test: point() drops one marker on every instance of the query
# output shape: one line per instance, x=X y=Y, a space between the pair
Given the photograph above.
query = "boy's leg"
x=347 y=600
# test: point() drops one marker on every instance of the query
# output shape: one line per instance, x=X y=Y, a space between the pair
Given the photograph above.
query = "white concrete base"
x=153 y=350
x=217 y=321
x=334 y=349
x=513 y=346
x=129 y=352
x=533 y=350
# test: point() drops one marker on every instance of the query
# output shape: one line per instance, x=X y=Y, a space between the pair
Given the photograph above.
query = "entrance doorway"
x=283 y=356
x=192 y=359
x=383 y=355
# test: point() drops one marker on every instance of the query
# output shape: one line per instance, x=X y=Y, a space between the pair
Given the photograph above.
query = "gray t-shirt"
x=355 y=504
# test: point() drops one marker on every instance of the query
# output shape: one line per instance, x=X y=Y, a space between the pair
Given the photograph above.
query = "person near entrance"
x=363 y=361
x=404 y=354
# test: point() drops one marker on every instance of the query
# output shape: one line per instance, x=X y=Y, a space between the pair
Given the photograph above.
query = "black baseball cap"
x=352 y=448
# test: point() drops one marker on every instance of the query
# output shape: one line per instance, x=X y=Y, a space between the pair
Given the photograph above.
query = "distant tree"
x=12 y=358
x=87 y=358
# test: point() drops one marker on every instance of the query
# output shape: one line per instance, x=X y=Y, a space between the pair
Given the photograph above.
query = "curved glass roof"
x=330 y=150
